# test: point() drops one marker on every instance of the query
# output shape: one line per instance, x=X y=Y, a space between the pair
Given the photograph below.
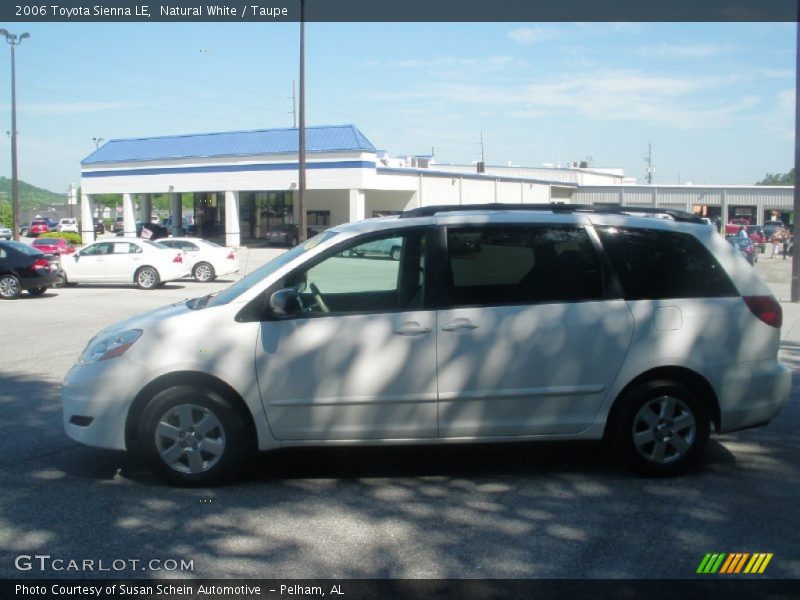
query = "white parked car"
x=125 y=260
x=6 y=233
x=68 y=224
x=206 y=260
x=497 y=323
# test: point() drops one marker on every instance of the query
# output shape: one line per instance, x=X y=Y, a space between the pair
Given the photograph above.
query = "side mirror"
x=285 y=303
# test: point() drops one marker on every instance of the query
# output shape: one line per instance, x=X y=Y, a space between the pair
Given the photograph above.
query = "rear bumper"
x=174 y=271
x=39 y=281
x=752 y=394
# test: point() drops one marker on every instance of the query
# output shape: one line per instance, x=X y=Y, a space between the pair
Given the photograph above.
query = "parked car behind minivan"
x=495 y=323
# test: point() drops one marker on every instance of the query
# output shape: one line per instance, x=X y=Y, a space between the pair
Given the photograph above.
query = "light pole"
x=301 y=147
x=14 y=41
x=97 y=141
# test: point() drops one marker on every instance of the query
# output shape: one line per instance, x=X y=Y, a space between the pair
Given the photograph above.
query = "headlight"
x=108 y=346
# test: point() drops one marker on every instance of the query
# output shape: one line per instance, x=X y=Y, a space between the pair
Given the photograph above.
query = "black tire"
x=37 y=291
x=10 y=288
x=147 y=278
x=211 y=454
x=203 y=272
x=660 y=428
x=394 y=253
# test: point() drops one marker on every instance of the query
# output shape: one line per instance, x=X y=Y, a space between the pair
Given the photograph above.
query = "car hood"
x=150 y=319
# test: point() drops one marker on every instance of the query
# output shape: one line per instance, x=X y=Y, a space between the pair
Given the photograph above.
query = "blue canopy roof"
x=329 y=138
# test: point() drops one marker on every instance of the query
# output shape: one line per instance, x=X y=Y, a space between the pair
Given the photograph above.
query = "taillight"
x=177 y=259
x=231 y=256
x=41 y=263
x=766 y=308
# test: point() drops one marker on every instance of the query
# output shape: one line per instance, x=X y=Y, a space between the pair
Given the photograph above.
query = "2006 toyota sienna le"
x=497 y=323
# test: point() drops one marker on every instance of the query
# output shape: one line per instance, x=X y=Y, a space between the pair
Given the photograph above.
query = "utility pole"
x=301 y=183
x=796 y=212
x=482 y=163
x=14 y=41
x=649 y=160
x=294 y=107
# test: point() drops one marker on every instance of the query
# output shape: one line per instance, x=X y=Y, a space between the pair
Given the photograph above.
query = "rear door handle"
x=410 y=328
x=459 y=325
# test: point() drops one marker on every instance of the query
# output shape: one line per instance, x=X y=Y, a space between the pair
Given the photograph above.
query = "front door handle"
x=410 y=328
x=459 y=325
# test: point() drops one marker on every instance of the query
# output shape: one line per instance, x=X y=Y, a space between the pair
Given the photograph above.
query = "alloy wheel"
x=190 y=439
x=664 y=430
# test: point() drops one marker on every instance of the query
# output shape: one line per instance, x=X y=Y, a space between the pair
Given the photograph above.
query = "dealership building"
x=243 y=184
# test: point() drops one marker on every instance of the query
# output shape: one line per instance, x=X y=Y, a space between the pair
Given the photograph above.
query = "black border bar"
x=398 y=10
x=739 y=587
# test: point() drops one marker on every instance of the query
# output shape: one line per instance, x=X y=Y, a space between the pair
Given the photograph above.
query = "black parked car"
x=23 y=267
x=99 y=226
x=284 y=235
x=155 y=231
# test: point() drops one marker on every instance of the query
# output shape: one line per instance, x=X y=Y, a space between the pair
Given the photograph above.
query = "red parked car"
x=38 y=227
x=53 y=246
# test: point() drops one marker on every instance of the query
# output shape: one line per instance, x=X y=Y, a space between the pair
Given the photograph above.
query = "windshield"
x=245 y=283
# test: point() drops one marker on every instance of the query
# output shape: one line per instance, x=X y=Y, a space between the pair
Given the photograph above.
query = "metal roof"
x=329 y=138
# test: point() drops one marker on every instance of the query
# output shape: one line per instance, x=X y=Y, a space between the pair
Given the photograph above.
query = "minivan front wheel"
x=660 y=429
x=191 y=436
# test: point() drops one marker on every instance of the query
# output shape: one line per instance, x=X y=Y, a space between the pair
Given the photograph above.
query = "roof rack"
x=676 y=215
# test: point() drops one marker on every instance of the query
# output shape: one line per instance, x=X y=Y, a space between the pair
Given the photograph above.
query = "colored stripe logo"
x=733 y=563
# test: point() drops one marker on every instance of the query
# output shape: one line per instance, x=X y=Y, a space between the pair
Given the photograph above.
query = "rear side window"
x=654 y=265
x=502 y=265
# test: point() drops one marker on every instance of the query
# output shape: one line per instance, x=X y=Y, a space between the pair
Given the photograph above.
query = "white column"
x=358 y=205
x=724 y=210
x=176 y=214
x=128 y=216
x=87 y=220
x=146 y=207
x=232 y=234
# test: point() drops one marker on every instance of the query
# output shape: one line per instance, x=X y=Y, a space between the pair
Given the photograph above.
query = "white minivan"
x=495 y=323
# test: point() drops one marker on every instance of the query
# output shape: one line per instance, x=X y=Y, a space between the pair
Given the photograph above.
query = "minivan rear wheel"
x=660 y=429
x=193 y=437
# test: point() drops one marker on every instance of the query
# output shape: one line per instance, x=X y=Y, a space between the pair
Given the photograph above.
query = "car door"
x=121 y=264
x=530 y=335
x=90 y=264
x=359 y=362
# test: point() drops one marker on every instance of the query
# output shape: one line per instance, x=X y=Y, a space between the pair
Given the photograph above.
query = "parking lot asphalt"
x=562 y=510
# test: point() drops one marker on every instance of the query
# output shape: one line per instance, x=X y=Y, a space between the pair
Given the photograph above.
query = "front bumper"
x=752 y=394
x=96 y=399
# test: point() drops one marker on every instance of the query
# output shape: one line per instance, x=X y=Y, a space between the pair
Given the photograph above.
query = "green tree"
x=778 y=179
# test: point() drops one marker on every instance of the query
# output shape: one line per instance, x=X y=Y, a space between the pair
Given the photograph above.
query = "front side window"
x=653 y=264
x=98 y=249
x=379 y=274
x=511 y=264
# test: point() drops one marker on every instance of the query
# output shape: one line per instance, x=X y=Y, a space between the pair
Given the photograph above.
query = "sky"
x=715 y=100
